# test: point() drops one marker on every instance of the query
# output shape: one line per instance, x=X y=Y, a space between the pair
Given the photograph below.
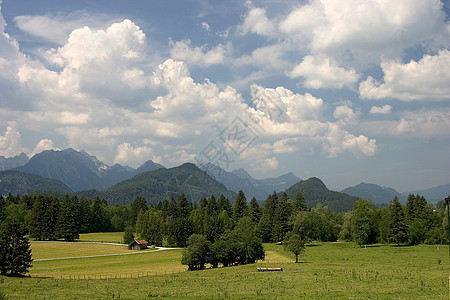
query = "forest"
x=172 y=222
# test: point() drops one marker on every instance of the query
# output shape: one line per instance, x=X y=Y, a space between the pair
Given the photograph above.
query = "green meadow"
x=105 y=237
x=326 y=271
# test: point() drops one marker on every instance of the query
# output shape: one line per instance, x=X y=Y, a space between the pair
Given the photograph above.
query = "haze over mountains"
x=81 y=171
x=70 y=170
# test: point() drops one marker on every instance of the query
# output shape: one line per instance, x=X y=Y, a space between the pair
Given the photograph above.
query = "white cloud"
x=281 y=104
x=284 y=146
x=181 y=156
x=11 y=141
x=44 y=144
x=268 y=57
x=205 y=26
x=182 y=50
x=346 y=115
x=338 y=140
x=257 y=22
x=56 y=29
x=128 y=155
x=428 y=79
x=368 y=29
x=425 y=124
x=323 y=72
x=382 y=110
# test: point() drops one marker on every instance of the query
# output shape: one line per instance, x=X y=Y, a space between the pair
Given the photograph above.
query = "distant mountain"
x=376 y=193
x=20 y=183
x=435 y=194
x=13 y=162
x=315 y=192
x=149 y=165
x=239 y=179
x=163 y=183
x=79 y=170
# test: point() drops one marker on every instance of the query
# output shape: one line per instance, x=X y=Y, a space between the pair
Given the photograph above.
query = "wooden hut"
x=139 y=245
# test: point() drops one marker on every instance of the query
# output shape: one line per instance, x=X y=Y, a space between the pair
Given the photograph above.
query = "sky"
x=348 y=91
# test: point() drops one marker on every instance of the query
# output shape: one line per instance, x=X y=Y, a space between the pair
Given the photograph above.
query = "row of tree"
x=46 y=217
x=213 y=225
x=173 y=221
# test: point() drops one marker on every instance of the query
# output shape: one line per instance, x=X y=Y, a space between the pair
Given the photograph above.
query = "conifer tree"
x=68 y=227
x=240 y=206
x=15 y=252
x=224 y=204
x=283 y=213
x=397 y=227
x=254 y=211
x=300 y=203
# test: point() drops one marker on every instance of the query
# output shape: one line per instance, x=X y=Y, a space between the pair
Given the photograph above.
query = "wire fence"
x=111 y=275
x=134 y=275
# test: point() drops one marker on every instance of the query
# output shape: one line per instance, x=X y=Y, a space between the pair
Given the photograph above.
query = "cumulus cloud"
x=424 y=124
x=366 y=28
x=382 y=110
x=11 y=141
x=268 y=57
x=44 y=144
x=128 y=155
x=182 y=50
x=257 y=22
x=346 y=115
x=56 y=29
x=323 y=72
x=338 y=140
x=427 y=79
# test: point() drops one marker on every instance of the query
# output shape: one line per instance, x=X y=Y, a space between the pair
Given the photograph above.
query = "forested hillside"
x=162 y=184
x=20 y=183
x=316 y=192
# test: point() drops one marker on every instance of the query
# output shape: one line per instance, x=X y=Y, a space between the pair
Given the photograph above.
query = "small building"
x=139 y=245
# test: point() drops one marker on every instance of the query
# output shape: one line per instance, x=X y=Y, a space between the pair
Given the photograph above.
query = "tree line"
x=222 y=229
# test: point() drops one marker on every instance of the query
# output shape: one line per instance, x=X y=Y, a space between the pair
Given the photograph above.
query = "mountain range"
x=239 y=179
x=376 y=193
x=77 y=171
x=163 y=183
x=7 y=163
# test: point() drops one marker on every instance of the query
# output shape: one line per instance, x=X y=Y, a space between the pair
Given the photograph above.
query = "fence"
x=111 y=276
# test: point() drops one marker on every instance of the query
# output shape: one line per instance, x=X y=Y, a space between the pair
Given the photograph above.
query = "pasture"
x=326 y=271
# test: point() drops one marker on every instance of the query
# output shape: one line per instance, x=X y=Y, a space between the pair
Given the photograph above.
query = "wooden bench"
x=270 y=269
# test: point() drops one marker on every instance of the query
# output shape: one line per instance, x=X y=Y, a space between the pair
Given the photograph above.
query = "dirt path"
x=156 y=249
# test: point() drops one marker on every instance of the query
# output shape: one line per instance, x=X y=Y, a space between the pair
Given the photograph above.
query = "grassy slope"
x=330 y=270
x=106 y=237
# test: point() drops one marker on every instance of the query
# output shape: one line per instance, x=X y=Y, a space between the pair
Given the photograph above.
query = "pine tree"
x=300 y=203
x=397 y=227
x=212 y=209
x=184 y=206
x=138 y=204
x=254 y=211
x=224 y=204
x=68 y=227
x=15 y=253
x=240 y=206
x=283 y=213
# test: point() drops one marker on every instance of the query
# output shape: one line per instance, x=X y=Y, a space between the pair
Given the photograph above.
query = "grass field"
x=326 y=271
x=105 y=237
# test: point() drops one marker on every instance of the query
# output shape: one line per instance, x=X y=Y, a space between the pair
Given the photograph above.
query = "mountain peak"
x=242 y=173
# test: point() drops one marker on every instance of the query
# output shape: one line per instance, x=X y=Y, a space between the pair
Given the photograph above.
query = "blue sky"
x=349 y=91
